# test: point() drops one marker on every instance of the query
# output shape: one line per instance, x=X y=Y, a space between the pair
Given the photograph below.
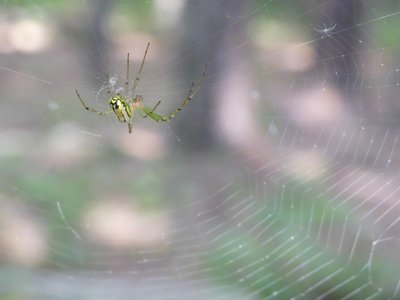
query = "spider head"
x=138 y=99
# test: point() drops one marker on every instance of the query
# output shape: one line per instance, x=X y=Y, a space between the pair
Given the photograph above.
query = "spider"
x=124 y=106
x=325 y=31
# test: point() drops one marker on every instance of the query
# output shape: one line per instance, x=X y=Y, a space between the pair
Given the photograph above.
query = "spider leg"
x=127 y=76
x=91 y=109
x=108 y=85
x=154 y=108
x=192 y=92
x=130 y=124
x=136 y=82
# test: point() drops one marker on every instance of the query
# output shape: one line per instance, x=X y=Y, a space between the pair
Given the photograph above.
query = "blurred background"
x=279 y=180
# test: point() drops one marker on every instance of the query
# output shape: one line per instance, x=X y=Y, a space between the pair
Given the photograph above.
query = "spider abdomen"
x=121 y=108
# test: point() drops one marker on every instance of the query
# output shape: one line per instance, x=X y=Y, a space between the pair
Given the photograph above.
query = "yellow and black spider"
x=125 y=105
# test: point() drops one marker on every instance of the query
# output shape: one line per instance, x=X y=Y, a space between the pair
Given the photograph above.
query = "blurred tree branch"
x=223 y=35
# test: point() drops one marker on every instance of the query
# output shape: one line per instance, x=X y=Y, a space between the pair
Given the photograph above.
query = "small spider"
x=325 y=31
x=125 y=105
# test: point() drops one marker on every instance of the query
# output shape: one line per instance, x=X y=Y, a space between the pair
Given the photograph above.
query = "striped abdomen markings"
x=121 y=108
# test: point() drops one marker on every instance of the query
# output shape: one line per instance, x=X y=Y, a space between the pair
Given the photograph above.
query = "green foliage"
x=34 y=3
x=132 y=15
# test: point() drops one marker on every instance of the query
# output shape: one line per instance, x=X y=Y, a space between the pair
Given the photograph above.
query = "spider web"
x=303 y=203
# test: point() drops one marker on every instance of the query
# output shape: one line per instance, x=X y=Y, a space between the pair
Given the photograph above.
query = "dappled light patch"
x=144 y=144
x=280 y=47
x=118 y=224
x=66 y=147
x=307 y=165
x=25 y=35
x=316 y=107
x=23 y=237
